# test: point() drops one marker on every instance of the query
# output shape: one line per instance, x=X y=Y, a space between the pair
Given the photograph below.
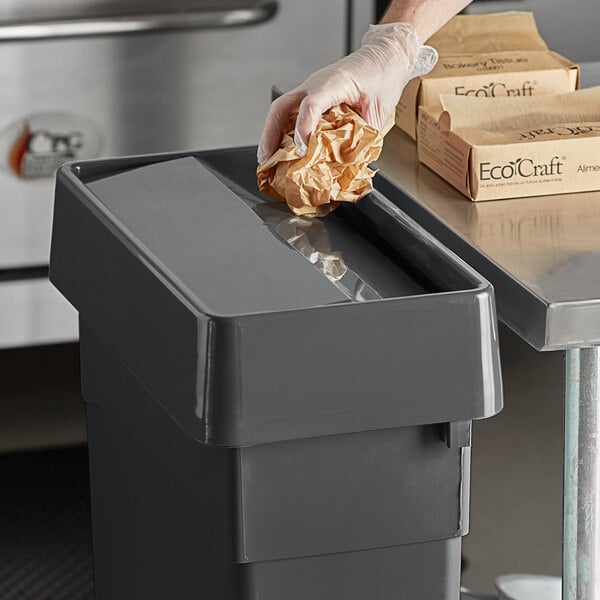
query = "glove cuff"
x=404 y=38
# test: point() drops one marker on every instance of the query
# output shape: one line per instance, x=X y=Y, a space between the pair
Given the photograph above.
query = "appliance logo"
x=34 y=147
x=521 y=167
x=493 y=90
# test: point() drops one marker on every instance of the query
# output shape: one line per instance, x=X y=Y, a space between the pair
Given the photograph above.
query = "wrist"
x=398 y=44
x=397 y=40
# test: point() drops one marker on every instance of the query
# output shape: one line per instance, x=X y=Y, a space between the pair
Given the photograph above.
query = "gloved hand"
x=370 y=80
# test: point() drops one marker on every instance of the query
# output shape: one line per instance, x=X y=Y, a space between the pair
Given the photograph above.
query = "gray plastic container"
x=262 y=427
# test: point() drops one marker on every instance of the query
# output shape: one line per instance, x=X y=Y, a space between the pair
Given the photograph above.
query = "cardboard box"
x=497 y=148
x=490 y=55
x=491 y=32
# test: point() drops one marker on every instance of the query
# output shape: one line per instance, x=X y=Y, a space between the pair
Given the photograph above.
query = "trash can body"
x=260 y=425
x=173 y=518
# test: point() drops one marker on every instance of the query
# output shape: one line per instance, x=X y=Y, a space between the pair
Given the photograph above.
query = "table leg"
x=581 y=537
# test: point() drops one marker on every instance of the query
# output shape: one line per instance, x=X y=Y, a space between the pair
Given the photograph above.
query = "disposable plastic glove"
x=370 y=80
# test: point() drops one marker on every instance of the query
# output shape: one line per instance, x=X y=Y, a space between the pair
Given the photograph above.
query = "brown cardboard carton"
x=492 y=32
x=512 y=147
x=493 y=55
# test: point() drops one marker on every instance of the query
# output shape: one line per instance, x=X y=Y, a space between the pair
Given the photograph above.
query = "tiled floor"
x=40 y=405
x=45 y=540
x=45 y=545
x=516 y=493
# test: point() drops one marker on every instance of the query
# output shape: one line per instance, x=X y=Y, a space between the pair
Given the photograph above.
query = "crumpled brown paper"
x=334 y=169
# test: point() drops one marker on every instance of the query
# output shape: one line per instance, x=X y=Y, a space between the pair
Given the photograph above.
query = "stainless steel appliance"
x=88 y=78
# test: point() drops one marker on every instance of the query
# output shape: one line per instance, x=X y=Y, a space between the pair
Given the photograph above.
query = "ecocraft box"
x=511 y=147
x=488 y=56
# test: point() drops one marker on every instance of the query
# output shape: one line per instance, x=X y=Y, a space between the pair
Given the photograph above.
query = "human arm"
x=426 y=16
x=371 y=79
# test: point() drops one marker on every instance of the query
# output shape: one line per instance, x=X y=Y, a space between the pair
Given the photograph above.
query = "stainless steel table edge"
x=529 y=322
x=574 y=324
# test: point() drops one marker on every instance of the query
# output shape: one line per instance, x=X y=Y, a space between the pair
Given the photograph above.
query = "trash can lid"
x=235 y=253
x=250 y=324
x=215 y=245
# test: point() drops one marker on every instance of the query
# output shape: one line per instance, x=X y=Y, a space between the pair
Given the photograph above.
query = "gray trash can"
x=278 y=408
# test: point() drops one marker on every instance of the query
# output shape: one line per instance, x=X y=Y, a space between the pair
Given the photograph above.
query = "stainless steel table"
x=543 y=257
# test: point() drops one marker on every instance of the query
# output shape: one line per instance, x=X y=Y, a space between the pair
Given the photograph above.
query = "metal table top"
x=542 y=254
